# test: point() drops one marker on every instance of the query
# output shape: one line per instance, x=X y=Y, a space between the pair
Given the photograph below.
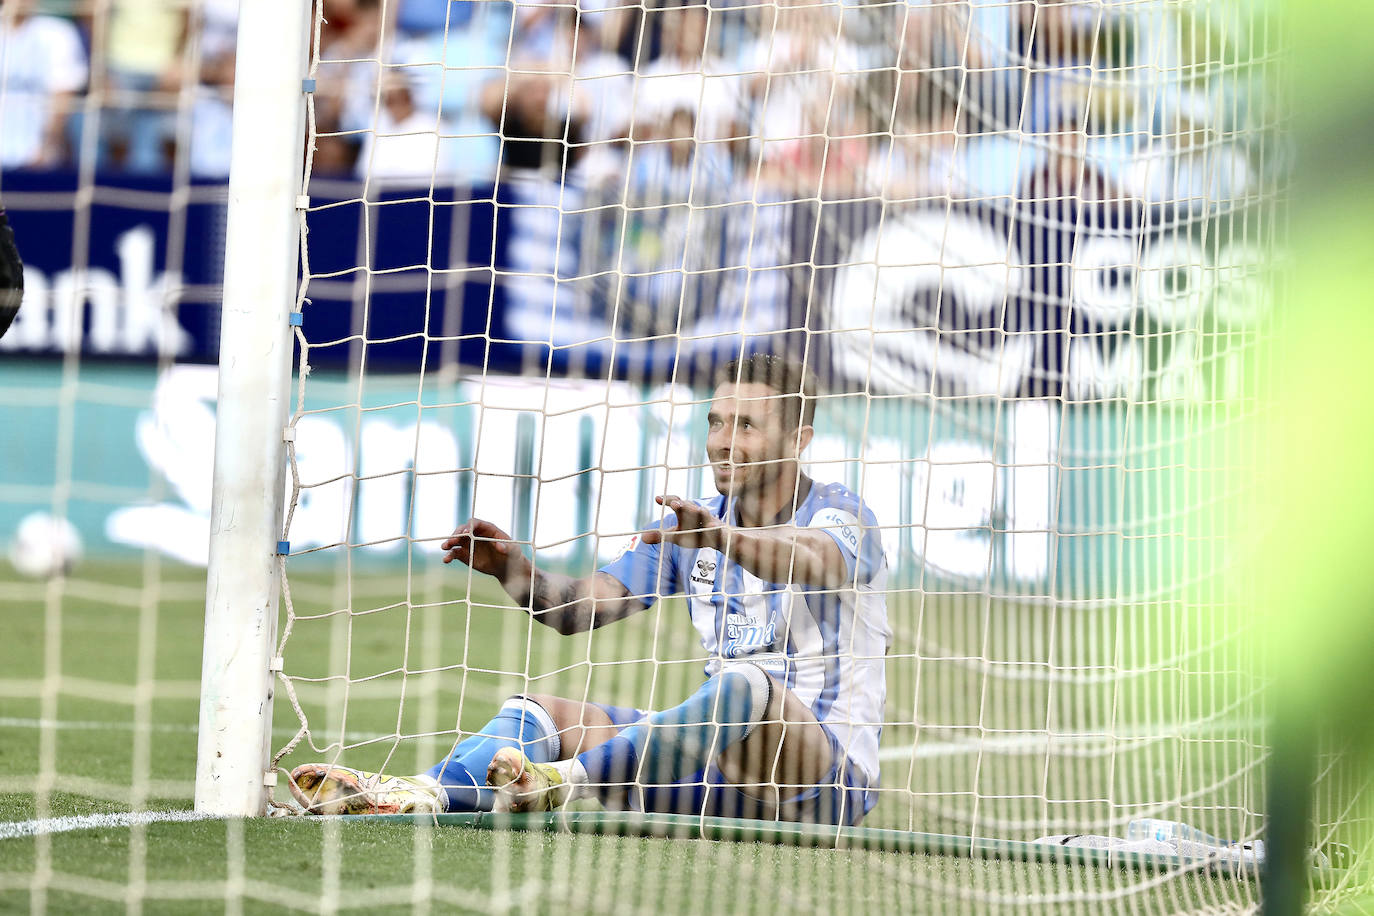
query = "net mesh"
x=1026 y=248
x=1015 y=240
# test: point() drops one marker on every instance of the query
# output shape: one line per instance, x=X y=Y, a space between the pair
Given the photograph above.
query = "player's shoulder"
x=835 y=496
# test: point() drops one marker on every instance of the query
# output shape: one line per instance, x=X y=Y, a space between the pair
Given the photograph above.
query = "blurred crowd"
x=669 y=102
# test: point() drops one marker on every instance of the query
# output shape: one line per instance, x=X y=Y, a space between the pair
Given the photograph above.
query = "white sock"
x=429 y=782
x=575 y=775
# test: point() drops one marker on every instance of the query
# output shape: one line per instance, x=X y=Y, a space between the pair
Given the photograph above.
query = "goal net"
x=1024 y=247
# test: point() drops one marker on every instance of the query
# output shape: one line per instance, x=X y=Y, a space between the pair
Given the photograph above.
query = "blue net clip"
x=296 y=319
x=283 y=547
x=307 y=85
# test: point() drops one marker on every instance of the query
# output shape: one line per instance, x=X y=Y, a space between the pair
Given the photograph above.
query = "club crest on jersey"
x=704 y=572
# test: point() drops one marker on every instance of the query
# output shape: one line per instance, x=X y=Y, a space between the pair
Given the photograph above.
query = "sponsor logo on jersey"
x=704 y=572
x=746 y=634
x=841 y=524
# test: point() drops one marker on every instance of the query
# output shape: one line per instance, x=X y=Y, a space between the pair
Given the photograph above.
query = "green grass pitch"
x=98 y=709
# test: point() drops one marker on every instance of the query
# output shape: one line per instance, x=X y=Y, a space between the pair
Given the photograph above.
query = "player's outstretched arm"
x=802 y=556
x=566 y=604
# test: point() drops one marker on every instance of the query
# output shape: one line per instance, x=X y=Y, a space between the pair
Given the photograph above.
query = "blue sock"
x=519 y=723
x=671 y=745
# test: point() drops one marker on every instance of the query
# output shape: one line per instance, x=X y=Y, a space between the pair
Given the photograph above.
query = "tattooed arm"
x=566 y=604
x=576 y=605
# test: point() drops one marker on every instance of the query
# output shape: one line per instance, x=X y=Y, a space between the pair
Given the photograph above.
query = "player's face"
x=748 y=443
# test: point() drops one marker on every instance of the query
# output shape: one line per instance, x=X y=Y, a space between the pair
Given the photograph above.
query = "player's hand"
x=486 y=549
x=696 y=527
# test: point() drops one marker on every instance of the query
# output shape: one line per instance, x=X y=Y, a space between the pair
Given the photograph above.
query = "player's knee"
x=532 y=708
x=745 y=692
x=545 y=701
x=577 y=724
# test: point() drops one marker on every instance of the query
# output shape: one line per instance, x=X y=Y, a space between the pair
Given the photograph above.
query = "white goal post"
x=265 y=219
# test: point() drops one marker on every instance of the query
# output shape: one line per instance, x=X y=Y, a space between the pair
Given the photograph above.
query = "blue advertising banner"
x=143 y=266
x=1017 y=298
x=1002 y=297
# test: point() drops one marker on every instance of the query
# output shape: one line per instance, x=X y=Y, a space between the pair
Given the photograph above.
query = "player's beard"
x=745 y=477
x=726 y=480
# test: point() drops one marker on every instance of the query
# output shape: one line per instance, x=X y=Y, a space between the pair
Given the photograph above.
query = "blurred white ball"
x=44 y=546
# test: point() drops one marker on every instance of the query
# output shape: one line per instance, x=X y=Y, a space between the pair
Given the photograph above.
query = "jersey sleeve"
x=649 y=571
x=855 y=531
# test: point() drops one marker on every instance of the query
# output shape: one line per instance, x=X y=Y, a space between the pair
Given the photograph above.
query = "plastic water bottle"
x=1171 y=832
x=1151 y=828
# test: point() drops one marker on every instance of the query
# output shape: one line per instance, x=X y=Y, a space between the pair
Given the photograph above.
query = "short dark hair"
x=785 y=376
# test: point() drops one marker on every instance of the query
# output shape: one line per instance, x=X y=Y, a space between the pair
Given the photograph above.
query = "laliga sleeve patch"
x=843 y=526
x=626 y=547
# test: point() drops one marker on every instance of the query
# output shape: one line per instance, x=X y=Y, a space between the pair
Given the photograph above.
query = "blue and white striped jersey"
x=826 y=645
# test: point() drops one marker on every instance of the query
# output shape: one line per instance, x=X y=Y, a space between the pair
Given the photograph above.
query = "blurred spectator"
x=447 y=70
x=346 y=86
x=537 y=133
x=212 y=117
x=962 y=48
x=538 y=24
x=595 y=91
x=218 y=24
x=422 y=17
x=564 y=108
x=535 y=28
x=215 y=25
x=1191 y=165
x=405 y=140
x=350 y=25
x=688 y=75
x=42 y=66
x=803 y=81
x=936 y=41
x=675 y=239
x=1066 y=46
x=918 y=161
x=1068 y=175
x=143 y=48
x=676 y=169
x=611 y=21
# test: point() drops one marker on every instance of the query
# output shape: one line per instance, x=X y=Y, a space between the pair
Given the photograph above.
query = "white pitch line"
x=179 y=728
x=927 y=749
x=1040 y=742
x=10 y=830
x=75 y=725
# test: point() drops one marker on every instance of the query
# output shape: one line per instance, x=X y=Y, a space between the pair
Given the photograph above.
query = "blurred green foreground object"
x=1316 y=564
